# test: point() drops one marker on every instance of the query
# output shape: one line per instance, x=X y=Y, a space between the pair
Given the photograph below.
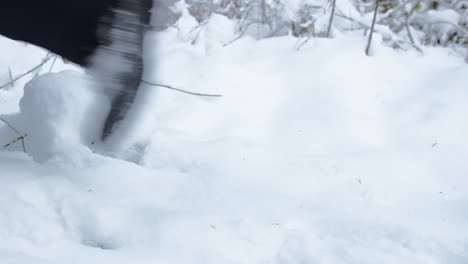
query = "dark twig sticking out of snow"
x=53 y=64
x=200 y=28
x=16 y=140
x=10 y=126
x=408 y=31
x=180 y=90
x=21 y=136
x=331 y=18
x=241 y=34
x=11 y=76
x=44 y=61
x=372 y=28
x=398 y=42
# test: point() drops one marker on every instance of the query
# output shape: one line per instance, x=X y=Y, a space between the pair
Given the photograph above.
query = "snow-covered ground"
x=316 y=155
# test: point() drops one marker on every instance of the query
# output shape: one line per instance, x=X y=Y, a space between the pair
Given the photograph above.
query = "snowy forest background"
x=403 y=24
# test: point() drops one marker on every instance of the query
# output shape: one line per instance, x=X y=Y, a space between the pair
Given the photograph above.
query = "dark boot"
x=118 y=62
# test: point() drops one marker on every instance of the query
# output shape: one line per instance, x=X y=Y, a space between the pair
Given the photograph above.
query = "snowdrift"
x=316 y=155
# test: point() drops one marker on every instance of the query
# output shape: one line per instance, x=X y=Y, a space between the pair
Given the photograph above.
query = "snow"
x=316 y=155
x=449 y=16
x=54 y=119
x=20 y=58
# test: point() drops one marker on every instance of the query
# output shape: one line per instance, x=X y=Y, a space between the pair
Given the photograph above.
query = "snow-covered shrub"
x=261 y=18
x=304 y=19
x=265 y=16
x=428 y=22
x=404 y=24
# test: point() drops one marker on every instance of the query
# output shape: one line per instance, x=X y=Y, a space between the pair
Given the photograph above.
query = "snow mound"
x=312 y=155
x=60 y=111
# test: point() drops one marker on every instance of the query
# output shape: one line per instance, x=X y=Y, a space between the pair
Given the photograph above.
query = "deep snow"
x=317 y=155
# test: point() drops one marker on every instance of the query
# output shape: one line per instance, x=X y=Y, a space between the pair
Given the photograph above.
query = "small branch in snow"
x=398 y=42
x=44 y=61
x=241 y=34
x=21 y=136
x=180 y=90
x=22 y=142
x=342 y=15
x=369 y=42
x=408 y=31
x=310 y=35
x=53 y=63
x=202 y=24
x=199 y=26
x=10 y=126
x=331 y=18
x=11 y=76
x=16 y=140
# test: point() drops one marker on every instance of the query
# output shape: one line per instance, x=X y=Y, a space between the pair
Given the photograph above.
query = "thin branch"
x=331 y=18
x=13 y=142
x=372 y=27
x=199 y=25
x=21 y=136
x=22 y=143
x=310 y=36
x=39 y=69
x=26 y=73
x=340 y=14
x=11 y=76
x=366 y=27
x=274 y=32
x=10 y=126
x=53 y=63
x=241 y=34
x=408 y=31
x=16 y=140
x=180 y=90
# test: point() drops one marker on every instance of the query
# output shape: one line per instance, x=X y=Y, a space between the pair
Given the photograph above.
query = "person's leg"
x=105 y=36
x=118 y=63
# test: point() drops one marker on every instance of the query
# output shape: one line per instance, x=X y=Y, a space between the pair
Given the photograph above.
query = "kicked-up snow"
x=60 y=112
x=312 y=155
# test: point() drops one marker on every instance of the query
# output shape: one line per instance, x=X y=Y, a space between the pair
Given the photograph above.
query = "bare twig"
x=39 y=69
x=11 y=76
x=274 y=32
x=310 y=35
x=16 y=140
x=26 y=73
x=331 y=18
x=408 y=30
x=53 y=63
x=13 y=142
x=180 y=90
x=199 y=25
x=241 y=34
x=21 y=136
x=10 y=126
x=372 y=27
x=340 y=14
x=22 y=143
x=366 y=28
